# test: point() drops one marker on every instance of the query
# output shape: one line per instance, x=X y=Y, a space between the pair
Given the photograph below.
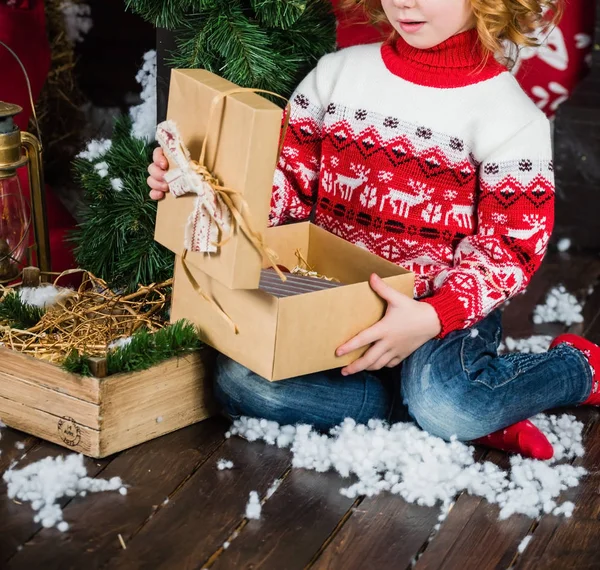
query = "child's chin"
x=419 y=42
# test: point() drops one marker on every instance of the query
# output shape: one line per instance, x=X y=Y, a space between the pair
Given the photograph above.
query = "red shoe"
x=523 y=438
x=592 y=353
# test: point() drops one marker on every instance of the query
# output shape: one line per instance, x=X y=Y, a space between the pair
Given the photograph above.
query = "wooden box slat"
x=25 y=367
x=46 y=426
x=143 y=405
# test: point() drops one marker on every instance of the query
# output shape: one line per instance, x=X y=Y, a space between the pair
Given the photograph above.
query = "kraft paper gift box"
x=277 y=337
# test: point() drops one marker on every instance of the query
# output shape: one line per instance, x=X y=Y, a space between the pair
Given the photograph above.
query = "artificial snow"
x=44 y=296
x=144 y=115
x=117 y=184
x=523 y=544
x=77 y=20
x=563 y=244
x=102 y=168
x=253 y=507
x=119 y=343
x=20 y=445
x=560 y=307
x=45 y=482
x=95 y=149
x=224 y=464
x=423 y=469
x=274 y=486
x=535 y=344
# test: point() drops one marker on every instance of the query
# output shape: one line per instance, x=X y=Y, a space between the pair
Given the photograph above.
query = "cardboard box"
x=101 y=416
x=277 y=338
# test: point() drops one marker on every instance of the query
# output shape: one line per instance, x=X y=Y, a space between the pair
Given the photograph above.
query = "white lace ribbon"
x=211 y=219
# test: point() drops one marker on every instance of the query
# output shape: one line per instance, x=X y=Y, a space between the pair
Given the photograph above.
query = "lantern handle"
x=35 y=119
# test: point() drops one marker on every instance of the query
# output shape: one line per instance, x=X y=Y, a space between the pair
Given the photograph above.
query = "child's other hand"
x=157 y=170
x=406 y=326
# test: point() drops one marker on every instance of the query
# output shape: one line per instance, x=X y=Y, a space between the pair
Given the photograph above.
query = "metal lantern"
x=17 y=213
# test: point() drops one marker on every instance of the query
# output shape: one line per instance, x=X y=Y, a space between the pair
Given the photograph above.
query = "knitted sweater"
x=432 y=159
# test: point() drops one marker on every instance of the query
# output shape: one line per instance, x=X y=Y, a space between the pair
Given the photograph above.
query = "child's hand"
x=157 y=170
x=406 y=326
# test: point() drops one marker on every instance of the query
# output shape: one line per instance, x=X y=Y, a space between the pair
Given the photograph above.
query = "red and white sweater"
x=428 y=158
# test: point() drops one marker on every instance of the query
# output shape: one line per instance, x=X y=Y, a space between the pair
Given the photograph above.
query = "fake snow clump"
x=224 y=464
x=119 y=343
x=423 y=469
x=560 y=307
x=44 y=296
x=95 y=149
x=523 y=544
x=253 y=508
x=563 y=244
x=144 y=115
x=45 y=482
x=77 y=20
x=535 y=344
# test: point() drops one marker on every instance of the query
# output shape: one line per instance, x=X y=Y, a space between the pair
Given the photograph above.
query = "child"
x=425 y=151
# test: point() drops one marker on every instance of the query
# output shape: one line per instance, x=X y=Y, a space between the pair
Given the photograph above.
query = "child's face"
x=427 y=23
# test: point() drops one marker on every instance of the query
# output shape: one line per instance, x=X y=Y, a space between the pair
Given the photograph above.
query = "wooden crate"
x=100 y=416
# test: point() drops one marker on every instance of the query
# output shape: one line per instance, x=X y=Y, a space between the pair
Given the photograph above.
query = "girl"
x=425 y=151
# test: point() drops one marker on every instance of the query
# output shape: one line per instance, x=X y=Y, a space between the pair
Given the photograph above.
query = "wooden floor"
x=307 y=523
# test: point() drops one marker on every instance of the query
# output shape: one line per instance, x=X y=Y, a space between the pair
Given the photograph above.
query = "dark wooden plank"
x=571 y=543
x=294 y=523
x=16 y=520
x=151 y=471
x=472 y=536
x=386 y=528
x=9 y=452
x=205 y=511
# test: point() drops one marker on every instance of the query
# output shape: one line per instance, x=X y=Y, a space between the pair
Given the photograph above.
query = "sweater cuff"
x=449 y=309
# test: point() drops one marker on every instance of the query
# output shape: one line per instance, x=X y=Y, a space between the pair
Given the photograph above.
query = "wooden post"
x=577 y=159
x=31 y=277
x=98 y=366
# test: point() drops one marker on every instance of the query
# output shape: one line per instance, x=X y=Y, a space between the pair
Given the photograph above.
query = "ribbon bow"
x=210 y=215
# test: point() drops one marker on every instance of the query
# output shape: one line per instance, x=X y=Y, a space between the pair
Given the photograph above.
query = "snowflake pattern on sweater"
x=470 y=217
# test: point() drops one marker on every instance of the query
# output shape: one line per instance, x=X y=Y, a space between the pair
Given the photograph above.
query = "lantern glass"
x=14 y=228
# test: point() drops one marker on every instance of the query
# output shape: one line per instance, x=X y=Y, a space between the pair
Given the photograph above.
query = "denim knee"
x=241 y=392
x=438 y=400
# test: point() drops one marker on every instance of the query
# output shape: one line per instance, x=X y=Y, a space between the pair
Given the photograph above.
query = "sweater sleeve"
x=515 y=216
x=296 y=179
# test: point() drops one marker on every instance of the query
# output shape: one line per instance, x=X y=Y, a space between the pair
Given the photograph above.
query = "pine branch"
x=144 y=351
x=17 y=314
x=115 y=239
x=278 y=14
x=249 y=48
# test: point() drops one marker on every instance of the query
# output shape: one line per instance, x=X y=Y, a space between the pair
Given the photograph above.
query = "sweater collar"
x=456 y=62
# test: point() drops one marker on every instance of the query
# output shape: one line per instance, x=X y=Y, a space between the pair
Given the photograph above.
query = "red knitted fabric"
x=455 y=63
x=428 y=158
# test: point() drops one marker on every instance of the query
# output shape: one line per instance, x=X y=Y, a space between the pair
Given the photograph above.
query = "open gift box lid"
x=241 y=152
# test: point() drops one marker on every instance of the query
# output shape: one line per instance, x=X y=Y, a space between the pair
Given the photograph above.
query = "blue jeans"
x=452 y=386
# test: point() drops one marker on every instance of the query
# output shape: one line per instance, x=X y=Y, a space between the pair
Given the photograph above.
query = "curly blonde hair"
x=496 y=21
